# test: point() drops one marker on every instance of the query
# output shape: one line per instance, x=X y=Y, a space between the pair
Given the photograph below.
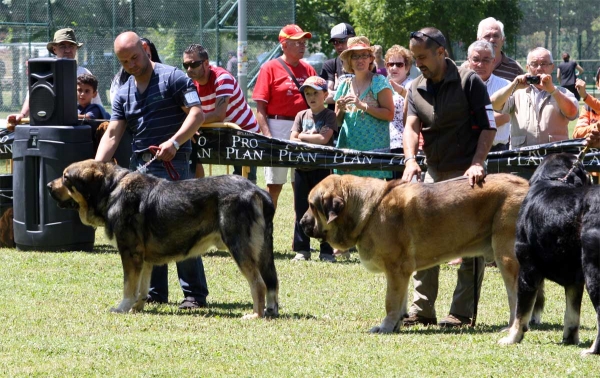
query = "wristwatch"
x=175 y=144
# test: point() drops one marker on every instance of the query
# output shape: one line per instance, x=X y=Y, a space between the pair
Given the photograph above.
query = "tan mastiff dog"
x=399 y=228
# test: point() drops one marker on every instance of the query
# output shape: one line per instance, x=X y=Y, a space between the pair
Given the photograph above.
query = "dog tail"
x=267 y=264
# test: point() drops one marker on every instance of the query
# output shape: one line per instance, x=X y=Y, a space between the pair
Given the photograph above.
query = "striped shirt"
x=508 y=68
x=493 y=84
x=154 y=116
x=222 y=84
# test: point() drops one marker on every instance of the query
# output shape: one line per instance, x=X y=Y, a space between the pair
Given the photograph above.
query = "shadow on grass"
x=102 y=249
x=283 y=256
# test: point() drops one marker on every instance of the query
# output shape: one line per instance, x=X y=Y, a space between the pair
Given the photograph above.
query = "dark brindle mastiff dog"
x=558 y=238
x=399 y=228
x=153 y=221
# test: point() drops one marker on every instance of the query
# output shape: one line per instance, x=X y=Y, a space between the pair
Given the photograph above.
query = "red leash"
x=167 y=164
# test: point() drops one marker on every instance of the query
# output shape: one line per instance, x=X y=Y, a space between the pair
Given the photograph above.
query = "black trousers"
x=304 y=182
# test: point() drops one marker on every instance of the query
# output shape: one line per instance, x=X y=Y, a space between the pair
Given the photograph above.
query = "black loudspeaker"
x=52 y=92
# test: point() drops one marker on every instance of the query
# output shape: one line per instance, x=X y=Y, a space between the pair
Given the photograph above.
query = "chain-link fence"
x=27 y=25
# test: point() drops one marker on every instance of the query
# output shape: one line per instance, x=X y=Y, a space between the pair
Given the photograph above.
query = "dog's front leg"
x=132 y=269
x=395 y=302
x=144 y=288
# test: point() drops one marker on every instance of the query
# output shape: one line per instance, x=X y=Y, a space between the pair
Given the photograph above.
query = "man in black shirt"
x=332 y=69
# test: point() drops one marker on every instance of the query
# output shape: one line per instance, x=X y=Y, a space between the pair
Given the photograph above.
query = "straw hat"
x=360 y=43
x=63 y=35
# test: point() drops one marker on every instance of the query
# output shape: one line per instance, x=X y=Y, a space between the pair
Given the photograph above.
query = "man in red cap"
x=278 y=97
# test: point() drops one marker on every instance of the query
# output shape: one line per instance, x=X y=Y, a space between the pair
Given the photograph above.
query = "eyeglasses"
x=336 y=42
x=297 y=43
x=481 y=61
x=194 y=64
x=420 y=35
x=397 y=64
x=536 y=65
x=362 y=56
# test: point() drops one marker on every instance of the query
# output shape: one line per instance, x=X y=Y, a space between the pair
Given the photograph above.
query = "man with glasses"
x=450 y=107
x=64 y=46
x=540 y=111
x=278 y=97
x=481 y=56
x=333 y=70
x=492 y=30
x=221 y=96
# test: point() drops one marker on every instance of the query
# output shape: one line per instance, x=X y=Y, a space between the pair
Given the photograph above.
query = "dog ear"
x=333 y=207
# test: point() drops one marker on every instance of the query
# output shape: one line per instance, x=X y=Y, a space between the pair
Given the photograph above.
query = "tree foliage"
x=318 y=17
x=388 y=22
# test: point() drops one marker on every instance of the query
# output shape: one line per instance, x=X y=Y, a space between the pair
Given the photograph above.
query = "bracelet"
x=414 y=157
x=551 y=93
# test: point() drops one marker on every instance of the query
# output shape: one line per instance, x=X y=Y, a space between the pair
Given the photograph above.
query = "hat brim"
x=51 y=44
x=315 y=87
x=341 y=36
x=349 y=51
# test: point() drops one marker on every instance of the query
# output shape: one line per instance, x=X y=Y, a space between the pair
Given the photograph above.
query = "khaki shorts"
x=280 y=129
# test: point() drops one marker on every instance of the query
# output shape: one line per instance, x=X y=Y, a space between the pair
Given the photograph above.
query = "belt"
x=286 y=118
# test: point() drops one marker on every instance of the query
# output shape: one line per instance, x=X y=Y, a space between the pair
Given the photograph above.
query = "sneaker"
x=453 y=320
x=326 y=257
x=301 y=256
x=415 y=319
x=190 y=303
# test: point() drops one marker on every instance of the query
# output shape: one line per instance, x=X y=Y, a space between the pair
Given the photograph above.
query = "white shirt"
x=493 y=84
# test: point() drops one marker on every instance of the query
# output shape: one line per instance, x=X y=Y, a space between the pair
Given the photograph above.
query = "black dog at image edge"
x=152 y=221
x=558 y=238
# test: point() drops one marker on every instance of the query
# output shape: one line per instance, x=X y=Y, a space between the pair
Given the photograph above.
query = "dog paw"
x=251 y=316
x=508 y=340
x=380 y=329
x=117 y=310
x=271 y=312
x=588 y=352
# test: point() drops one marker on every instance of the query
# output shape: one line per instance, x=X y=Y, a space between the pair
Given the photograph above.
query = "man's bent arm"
x=220 y=112
x=261 y=117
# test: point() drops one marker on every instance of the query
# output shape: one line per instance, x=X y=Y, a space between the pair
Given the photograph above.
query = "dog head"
x=561 y=167
x=81 y=188
x=339 y=206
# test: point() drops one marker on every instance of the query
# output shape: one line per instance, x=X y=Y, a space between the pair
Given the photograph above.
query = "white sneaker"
x=302 y=256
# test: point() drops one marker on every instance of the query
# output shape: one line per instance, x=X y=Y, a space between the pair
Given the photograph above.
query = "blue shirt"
x=154 y=116
x=93 y=111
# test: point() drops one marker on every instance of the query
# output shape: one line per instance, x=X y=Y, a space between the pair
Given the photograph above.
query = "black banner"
x=233 y=146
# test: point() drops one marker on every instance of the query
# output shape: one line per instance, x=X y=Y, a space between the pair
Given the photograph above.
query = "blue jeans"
x=191 y=271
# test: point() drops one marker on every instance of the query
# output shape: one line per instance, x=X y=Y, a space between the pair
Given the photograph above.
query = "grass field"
x=55 y=322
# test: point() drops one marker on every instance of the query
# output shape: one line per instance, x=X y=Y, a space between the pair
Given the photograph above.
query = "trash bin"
x=40 y=154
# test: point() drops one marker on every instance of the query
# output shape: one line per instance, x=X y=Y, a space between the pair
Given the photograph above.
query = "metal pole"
x=242 y=49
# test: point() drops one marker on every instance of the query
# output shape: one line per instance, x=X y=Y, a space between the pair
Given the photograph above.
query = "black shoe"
x=413 y=320
x=150 y=299
x=190 y=303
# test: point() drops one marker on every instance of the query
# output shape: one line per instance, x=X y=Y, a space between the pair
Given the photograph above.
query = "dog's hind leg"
x=144 y=287
x=509 y=270
x=258 y=288
x=573 y=295
x=395 y=302
x=538 y=308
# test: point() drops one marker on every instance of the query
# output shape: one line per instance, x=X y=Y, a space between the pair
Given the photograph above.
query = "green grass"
x=55 y=322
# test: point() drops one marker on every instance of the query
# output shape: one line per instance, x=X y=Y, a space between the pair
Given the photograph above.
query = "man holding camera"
x=540 y=111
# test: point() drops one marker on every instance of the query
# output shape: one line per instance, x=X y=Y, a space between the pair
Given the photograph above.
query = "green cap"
x=63 y=35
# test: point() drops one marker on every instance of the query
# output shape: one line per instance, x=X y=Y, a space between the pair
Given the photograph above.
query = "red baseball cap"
x=293 y=32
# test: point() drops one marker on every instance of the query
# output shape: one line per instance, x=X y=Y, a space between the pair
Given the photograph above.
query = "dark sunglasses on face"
x=336 y=42
x=194 y=64
x=420 y=35
x=397 y=64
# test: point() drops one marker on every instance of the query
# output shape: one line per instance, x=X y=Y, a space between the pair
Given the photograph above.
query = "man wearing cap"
x=332 y=68
x=278 y=97
x=64 y=46
x=450 y=107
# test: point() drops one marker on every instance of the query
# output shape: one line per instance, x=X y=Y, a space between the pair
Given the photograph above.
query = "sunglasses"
x=420 y=35
x=336 y=42
x=194 y=64
x=397 y=64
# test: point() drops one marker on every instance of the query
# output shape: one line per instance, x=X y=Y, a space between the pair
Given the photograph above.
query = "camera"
x=531 y=79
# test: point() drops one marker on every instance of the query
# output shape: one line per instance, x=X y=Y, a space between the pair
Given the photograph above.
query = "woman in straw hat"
x=363 y=105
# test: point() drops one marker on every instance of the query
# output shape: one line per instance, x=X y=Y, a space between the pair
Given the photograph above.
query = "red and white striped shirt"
x=221 y=83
